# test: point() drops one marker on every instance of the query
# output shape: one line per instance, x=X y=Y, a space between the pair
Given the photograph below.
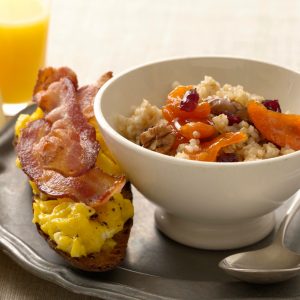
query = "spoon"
x=271 y=264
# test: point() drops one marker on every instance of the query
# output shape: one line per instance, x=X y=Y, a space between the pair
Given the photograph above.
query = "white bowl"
x=201 y=204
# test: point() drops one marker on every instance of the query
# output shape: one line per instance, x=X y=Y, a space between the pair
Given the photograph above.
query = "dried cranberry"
x=227 y=157
x=232 y=118
x=272 y=105
x=190 y=100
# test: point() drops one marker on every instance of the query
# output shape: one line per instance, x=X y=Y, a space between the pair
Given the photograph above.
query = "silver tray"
x=155 y=266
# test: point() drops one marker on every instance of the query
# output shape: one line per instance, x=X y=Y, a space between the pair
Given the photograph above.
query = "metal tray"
x=155 y=266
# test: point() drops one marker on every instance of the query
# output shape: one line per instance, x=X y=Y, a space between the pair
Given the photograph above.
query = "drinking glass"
x=23 y=39
x=2 y=118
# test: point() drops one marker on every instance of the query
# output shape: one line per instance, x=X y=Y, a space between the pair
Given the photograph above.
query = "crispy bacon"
x=47 y=100
x=31 y=136
x=59 y=151
x=49 y=75
x=70 y=148
x=105 y=77
x=86 y=95
x=94 y=187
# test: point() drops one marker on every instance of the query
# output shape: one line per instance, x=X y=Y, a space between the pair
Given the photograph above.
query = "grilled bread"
x=82 y=203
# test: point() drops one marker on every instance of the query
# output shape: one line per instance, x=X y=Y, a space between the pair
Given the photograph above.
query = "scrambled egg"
x=76 y=228
x=23 y=120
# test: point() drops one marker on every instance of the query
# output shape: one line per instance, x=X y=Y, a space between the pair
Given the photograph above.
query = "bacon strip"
x=70 y=148
x=86 y=95
x=59 y=151
x=93 y=188
x=49 y=75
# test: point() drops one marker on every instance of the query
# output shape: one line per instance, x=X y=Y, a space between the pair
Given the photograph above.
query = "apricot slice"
x=172 y=111
x=178 y=93
x=211 y=149
x=281 y=129
x=204 y=130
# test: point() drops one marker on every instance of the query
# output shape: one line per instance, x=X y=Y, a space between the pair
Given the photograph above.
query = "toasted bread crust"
x=103 y=260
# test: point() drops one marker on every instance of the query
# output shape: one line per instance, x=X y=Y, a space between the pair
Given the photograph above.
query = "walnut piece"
x=159 y=138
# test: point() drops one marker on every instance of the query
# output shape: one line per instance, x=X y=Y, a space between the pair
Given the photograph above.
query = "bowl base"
x=214 y=236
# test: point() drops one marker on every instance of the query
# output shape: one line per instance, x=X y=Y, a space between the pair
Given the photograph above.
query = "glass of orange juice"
x=2 y=118
x=23 y=40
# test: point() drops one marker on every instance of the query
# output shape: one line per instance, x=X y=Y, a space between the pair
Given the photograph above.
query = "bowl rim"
x=175 y=160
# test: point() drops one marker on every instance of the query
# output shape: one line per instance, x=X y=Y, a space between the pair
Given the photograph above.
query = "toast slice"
x=104 y=260
x=60 y=148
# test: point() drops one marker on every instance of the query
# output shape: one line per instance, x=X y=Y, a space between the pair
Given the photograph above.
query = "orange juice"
x=23 y=36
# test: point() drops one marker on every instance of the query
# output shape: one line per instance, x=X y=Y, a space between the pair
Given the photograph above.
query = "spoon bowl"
x=271 y=264
x=268 y=265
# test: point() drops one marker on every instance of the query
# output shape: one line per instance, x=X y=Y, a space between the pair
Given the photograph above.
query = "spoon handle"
x=279 y=239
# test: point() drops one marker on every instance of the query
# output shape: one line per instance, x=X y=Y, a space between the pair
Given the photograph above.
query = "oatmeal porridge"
x=210 y=122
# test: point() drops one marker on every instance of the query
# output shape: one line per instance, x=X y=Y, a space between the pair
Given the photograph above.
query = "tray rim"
x=28 y=259
x=63 y=275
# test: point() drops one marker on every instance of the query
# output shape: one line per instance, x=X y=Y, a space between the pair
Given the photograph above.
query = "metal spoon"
x=272 y=264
